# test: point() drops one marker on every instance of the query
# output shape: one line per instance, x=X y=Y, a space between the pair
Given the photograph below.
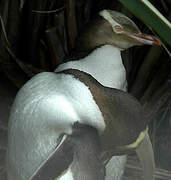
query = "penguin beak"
x=144 y=39
x=146 y=156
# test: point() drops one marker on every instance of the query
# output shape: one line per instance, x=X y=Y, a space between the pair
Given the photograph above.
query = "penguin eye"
x=118 y=29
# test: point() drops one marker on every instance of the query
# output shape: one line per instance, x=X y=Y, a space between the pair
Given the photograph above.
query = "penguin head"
x=113 y=28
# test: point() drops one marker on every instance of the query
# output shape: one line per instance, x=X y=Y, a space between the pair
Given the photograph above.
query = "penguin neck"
x=105 y=57
x=104 y=64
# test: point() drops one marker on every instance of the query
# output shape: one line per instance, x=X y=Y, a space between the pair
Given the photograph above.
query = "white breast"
x=104 y=64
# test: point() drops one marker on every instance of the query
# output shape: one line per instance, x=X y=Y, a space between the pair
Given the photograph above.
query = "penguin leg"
x=146 y=156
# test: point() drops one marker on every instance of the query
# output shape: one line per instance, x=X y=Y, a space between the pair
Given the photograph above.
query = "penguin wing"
x=57 y=162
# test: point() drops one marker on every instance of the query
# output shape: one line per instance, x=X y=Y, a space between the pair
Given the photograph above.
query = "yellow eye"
x=118 y=29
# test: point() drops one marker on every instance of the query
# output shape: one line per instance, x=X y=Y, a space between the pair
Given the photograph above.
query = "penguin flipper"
x=57 y=162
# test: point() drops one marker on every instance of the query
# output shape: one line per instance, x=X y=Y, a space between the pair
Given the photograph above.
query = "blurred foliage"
x=145 y=11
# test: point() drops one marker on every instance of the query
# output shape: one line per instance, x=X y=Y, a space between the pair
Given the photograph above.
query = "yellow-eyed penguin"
x=49 y=104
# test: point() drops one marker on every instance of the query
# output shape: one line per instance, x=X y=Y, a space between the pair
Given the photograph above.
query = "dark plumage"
x=123 y=114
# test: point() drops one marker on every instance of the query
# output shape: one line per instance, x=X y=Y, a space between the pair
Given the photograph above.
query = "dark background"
x=40 y=41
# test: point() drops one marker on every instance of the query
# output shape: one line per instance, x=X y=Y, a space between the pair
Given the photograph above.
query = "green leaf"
x=145 y=11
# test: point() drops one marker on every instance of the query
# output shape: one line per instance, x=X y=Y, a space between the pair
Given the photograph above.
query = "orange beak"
x=144 y=39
